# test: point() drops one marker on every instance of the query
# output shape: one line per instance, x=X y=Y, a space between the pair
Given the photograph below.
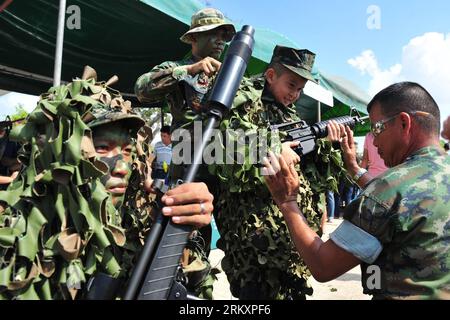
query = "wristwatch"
x=359 y=174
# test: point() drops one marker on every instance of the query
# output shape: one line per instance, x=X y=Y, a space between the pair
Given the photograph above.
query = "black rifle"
x=7 y=124
x=155 y=274
x=308 y=134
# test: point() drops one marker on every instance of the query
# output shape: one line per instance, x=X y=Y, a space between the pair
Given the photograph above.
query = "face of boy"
x=286 y=87
x=113 y=146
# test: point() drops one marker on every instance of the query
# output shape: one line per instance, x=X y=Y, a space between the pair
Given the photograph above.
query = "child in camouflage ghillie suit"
x=260 y=258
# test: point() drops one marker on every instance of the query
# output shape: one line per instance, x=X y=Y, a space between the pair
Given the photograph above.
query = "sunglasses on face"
x=378 y=127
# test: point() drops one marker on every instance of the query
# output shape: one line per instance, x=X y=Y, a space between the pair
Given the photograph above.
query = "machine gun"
x=7 y=123
x=308 y=134
x=155 y=274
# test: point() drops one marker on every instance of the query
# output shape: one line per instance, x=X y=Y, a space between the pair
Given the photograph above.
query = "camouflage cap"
x=298 y=61
x=110 y=106
x=205 y=20
x=104 y=115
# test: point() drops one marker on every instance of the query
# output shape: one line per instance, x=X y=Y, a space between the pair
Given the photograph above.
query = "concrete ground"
x=346 y=287
x=221 y=289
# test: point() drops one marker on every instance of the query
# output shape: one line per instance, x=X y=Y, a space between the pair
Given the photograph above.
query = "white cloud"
x=425 y=60
x=367 y=63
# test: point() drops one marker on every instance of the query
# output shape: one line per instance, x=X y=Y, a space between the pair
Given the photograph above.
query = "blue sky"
x=412 y=42
x=10 y=101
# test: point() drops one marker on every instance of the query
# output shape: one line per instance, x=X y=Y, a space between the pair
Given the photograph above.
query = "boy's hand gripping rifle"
x=308 y=134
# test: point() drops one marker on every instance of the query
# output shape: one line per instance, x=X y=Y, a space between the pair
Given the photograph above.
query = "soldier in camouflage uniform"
x=399 y=228
x=184 y=86
x=114 y=136
x=260 y=259
x=59 y=224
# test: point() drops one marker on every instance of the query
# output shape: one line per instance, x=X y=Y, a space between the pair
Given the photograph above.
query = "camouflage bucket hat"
x=205 y=20
x=298 y=61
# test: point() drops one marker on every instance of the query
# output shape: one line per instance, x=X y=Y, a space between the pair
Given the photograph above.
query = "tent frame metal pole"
x=59 y=43
x=319 y=109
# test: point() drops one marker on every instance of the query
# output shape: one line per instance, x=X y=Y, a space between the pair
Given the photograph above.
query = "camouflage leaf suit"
x=261 y=261
x=57 y=223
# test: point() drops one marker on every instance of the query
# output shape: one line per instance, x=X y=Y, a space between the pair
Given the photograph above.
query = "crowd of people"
x=86 y=186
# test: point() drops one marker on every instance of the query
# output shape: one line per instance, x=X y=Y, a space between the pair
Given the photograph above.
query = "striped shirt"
x=163 y=154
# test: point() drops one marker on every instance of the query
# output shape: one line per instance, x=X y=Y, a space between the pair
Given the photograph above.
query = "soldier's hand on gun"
x=14 y=175
x=335 y=131
x=289 y=155
x=207 y=65
x=349 y=151
x=189 y=203
x=281 y=179
x=446 y=131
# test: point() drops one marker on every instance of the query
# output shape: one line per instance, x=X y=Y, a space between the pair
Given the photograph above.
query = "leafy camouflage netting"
x=57 y=224
x=261 y=261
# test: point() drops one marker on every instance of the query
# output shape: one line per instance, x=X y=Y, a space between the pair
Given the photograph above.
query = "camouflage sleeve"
x=373 y=215
x=161 y=80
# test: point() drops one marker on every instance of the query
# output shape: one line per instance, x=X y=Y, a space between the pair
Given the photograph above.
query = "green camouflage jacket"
x=168 y=83
x=185 y=95
x=407 y=210
x=261 y=261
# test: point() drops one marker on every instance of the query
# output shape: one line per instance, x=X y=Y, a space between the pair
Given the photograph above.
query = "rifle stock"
x=155 y=274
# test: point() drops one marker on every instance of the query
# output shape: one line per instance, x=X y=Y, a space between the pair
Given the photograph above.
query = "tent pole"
x=319 y=111
x=319 y=118
x=59 y=43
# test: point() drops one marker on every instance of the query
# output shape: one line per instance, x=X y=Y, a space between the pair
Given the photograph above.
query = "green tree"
x=20 y=113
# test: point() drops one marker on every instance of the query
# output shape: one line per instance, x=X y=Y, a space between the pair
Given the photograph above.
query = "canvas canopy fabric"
x=119 y=37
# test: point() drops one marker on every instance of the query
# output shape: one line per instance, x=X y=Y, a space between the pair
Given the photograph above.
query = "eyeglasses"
x=378 y=127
